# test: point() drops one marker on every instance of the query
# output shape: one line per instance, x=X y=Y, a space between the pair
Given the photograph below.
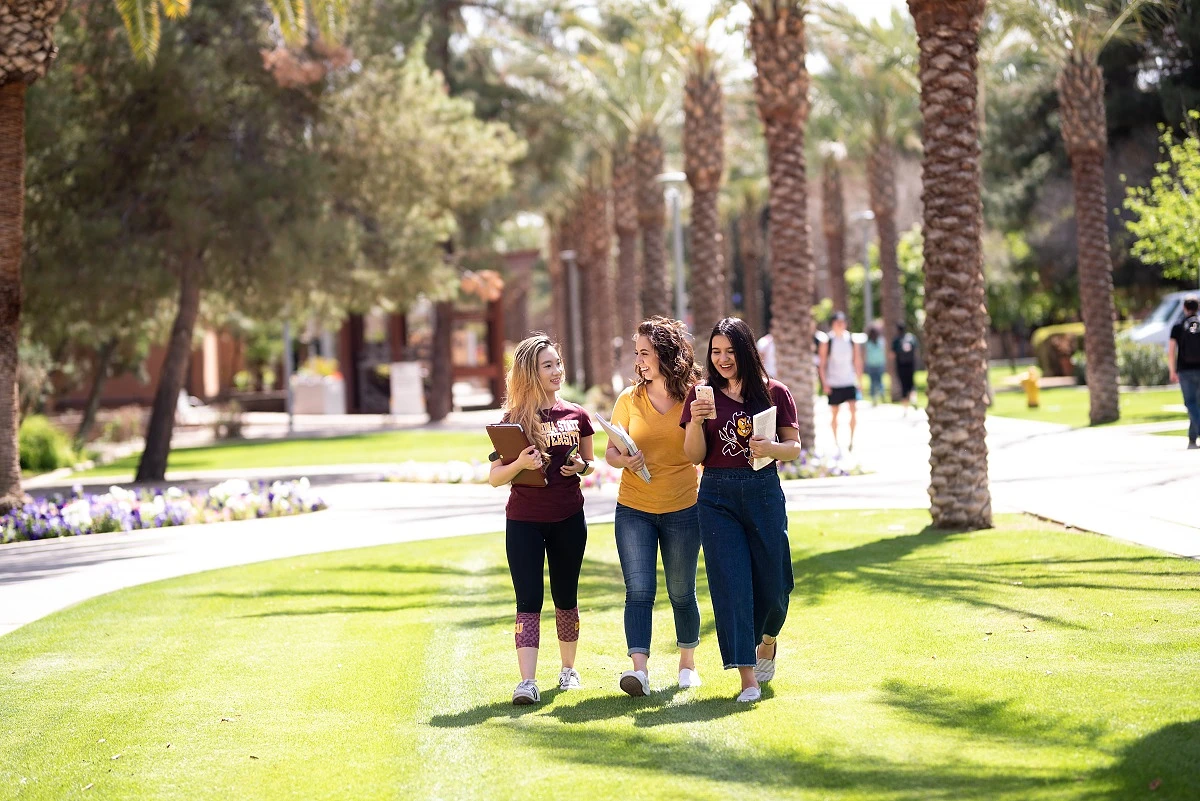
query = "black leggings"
x=529 y=545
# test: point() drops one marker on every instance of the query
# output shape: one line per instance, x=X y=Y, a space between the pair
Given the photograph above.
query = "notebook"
x=509 y=440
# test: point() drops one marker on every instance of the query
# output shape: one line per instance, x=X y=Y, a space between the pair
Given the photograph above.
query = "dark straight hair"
x=750 y=370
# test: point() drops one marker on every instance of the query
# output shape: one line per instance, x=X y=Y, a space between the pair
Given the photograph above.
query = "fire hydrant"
x=1030 y=384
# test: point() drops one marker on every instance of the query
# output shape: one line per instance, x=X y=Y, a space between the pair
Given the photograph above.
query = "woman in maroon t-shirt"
x=743 y=519
x=545 y=523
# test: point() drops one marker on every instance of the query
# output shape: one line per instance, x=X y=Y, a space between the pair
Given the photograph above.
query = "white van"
x=1156 y=329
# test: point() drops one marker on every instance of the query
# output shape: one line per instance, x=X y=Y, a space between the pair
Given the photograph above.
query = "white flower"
x=77 y=514
x=227 y=489
x=174 y=492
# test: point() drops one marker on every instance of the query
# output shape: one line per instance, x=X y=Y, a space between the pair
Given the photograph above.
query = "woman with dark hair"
x=743 y=520
x=660 y=515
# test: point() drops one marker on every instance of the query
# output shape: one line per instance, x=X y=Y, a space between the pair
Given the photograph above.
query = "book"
x=764 y=426
x=509 y=440
x=625 y=444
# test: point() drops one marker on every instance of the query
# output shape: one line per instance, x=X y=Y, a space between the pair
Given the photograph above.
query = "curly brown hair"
x=676 y=360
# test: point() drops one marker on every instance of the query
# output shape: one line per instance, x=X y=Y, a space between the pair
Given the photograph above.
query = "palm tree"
x=596 y=263
x=1072 y=35
x=833 y=224
x=872 y=79
x=956 y=318
x=749 y=224
x=628 y=292
x=781 y=82
x=704 y=162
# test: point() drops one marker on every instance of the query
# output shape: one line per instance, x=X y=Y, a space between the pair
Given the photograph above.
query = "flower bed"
x=807 y=466
x=810 y=466
x=120 y=509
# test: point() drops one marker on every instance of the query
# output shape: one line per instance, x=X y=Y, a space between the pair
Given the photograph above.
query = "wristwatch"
x=586 y=466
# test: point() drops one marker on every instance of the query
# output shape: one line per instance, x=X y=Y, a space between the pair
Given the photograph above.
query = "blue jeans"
x=743 y=526
x=876 y=376
x=1189 y=382
x=639 y=537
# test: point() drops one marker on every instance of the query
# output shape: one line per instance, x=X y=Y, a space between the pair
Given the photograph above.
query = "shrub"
x=123 y=424
x=1141 y=365
x=1054 y=345
x=43 y=445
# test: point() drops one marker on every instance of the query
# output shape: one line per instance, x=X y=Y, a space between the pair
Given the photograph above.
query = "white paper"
x=625 y=444
x=764 y=426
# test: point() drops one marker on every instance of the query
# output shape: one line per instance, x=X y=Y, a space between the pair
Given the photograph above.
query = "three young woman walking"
x=736 y=512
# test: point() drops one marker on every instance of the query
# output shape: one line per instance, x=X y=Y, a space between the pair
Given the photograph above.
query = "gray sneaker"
x=764 y=669
x=526 y=693
x=1193 y=445
x=568 y=679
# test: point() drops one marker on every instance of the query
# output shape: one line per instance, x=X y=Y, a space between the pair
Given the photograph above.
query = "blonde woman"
x=660 y=515
x=545 y=523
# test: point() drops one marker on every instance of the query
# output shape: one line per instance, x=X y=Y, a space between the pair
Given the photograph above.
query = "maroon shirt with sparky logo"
x=728 y=437
x=564 y=424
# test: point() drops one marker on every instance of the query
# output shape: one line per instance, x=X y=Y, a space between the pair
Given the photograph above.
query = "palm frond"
x=330 y=16
x=292 y=19
x=174 y=9
x=143 y=26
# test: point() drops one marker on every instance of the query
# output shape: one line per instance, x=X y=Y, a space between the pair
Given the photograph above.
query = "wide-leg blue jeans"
x=743 y=526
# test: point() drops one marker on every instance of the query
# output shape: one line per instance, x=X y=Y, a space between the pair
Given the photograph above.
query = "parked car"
x=1156 y=329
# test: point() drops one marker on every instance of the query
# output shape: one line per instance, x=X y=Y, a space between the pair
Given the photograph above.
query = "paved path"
x=1114 y=481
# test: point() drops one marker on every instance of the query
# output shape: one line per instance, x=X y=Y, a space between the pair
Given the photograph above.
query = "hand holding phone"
x=705 y=405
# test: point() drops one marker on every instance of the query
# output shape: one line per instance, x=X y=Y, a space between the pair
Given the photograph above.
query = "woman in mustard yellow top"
x=662 y=513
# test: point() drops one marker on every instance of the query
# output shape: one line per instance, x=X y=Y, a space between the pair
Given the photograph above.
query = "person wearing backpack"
x=1183 y=360
x=905 y=348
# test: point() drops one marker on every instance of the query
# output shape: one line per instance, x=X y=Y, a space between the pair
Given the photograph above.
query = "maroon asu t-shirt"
x=728 y=437
x=564 y=424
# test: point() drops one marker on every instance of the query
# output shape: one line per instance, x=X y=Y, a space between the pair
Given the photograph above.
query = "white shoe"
x=526 y=693
x=749 y=695
x=635 y=683
x=689 y=678
x=568 y=679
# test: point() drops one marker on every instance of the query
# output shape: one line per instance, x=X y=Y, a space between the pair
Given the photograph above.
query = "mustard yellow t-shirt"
x=673 y=478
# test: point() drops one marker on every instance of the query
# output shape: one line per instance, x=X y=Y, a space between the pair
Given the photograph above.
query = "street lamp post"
x=568 y=256
x=287 y=374
x=866 y=217
x=675 y=202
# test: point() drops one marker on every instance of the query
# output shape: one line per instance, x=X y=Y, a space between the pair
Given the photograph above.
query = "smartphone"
x=571 y=453
x=705 y=392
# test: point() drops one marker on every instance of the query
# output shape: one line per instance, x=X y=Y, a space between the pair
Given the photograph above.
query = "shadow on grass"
x=1163 y=765
x=1000 y=718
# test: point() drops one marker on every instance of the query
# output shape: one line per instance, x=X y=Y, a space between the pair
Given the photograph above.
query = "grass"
x=385 y=446
x=1069 y=406
x=1024 y=662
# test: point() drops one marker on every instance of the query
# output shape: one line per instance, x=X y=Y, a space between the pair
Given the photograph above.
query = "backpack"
x=1189 y=342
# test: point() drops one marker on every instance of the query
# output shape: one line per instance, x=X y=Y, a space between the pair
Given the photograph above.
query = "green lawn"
x=386 y=446
x=1025 y=662
x=1069 y=406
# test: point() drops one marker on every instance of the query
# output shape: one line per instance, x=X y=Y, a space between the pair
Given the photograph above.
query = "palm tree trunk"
x=833 y=225
x=12 y=224
x=709 y=284
x=558 y=285
x=441 y=378
x=598 y=268
x=956 y=318
x=882 y=179
x=628 y=290
x=652 y=216
x=781 y=87
x=1085 y=132
x=104 y=356
x=750 y=245
x=153 y=464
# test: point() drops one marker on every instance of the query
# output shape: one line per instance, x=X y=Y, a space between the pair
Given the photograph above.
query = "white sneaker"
x=568 y=679
x=749 y=695
x=526 y=693
x=689 y=678
x=635 y=683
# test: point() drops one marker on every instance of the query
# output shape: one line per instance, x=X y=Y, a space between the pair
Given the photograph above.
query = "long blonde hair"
x=526 y=396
